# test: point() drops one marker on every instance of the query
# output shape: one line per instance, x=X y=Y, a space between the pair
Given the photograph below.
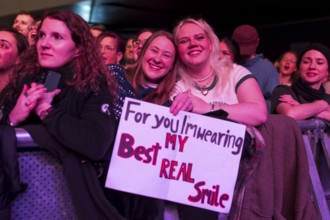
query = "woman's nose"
x=44 y=42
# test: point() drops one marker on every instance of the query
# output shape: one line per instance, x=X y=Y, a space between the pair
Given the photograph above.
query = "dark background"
x=281 y=24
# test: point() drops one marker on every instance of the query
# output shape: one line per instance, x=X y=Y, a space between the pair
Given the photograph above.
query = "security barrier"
x=47 y=195
x=317 y=141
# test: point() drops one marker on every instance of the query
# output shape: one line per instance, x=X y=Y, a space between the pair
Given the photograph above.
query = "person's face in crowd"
x=96 y=32
x=22 y=23
x=225 y=51
x=33 y=32
x=139 y=42
x=129 y=50
x=8 y=50
x=288 y=64
x=193 y=45
x=55 y=46
x=158 y=59
x=109 y=52
x=313 y=68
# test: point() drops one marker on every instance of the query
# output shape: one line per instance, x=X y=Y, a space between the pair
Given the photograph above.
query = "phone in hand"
x=52 y=80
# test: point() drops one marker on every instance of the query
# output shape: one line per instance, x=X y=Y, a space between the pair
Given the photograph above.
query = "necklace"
x=205 y=90
x=206 y=78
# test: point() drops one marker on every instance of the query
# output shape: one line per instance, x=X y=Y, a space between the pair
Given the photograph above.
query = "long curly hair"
x=88 y=66
x=136 y=75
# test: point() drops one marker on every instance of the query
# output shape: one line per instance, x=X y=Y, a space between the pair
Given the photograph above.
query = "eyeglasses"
x=107 y=48
x=137 y=43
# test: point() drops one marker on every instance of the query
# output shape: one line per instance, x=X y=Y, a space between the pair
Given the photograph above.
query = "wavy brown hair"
x=88 y=66
x=136 y=75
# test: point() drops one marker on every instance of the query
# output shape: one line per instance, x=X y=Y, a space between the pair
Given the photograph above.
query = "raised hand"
x=45 y=101
x=26 y=102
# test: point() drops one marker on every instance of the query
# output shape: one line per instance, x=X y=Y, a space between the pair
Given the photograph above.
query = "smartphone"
x=52 y=80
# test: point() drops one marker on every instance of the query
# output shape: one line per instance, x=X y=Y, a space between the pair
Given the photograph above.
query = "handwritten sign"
x=189 y=158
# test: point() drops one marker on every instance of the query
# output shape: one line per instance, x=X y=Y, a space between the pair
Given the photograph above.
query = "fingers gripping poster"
x=188 y=158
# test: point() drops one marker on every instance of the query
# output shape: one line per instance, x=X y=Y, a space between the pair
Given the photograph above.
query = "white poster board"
x=189 y=158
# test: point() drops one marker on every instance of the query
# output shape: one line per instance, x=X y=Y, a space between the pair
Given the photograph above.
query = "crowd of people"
x=189 y=69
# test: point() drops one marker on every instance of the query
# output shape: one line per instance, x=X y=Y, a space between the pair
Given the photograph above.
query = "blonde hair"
x=222 y=67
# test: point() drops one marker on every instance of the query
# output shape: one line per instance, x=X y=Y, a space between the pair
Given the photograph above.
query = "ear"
x=77 y=52
x=119 y=57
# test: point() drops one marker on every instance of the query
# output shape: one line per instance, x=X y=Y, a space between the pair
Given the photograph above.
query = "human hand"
x=324 y=114
x=289 y=100
x=181 y=102
x=45 y=101
x=200 y=106
x=26 y=102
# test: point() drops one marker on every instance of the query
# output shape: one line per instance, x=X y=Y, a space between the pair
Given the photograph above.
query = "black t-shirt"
x=287 y=90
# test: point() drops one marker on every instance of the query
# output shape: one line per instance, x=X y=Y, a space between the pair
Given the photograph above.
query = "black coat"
x=79 y=130
x=10 y=184
x=84 y=186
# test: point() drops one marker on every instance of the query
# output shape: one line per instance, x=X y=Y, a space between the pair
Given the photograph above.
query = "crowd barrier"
x=316 y=136
x=47 y=195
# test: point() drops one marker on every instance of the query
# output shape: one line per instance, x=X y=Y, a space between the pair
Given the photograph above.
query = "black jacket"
x=80 y=130
x=10 y=184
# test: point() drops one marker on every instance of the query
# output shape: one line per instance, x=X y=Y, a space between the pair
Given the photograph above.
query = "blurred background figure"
x=247 y=38
x=111 y=47
x=287 y=67
x=33 y=32
x=139 y=42
x=230 y=49
x=128 y=54
x=22 y=22
x=97 y=29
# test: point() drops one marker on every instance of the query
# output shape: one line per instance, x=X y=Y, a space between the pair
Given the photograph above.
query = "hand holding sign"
x=188 y=158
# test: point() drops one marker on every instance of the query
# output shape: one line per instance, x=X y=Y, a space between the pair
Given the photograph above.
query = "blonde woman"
x=214 y=84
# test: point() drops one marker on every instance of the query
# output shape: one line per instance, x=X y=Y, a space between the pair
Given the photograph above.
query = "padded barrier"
x=47 y=196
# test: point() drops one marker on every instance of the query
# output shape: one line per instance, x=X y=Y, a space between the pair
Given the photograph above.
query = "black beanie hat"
x=319 y=47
